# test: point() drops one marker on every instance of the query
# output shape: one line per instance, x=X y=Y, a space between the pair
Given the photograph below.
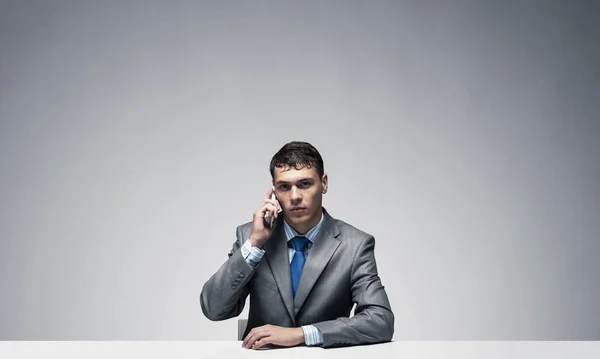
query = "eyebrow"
x=300 y=180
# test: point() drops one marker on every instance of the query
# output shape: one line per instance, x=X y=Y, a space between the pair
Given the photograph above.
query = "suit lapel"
x=276 y=251
x=319 y=255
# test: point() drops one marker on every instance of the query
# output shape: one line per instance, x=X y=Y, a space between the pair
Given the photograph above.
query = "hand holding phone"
x=264 y=219
x=269 y=219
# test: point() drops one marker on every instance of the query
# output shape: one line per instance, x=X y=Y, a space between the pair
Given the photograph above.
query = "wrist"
x=301 y=336
x=312 y=335
x=255 y=242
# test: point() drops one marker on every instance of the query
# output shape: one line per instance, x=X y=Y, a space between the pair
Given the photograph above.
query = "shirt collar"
x=290 y=233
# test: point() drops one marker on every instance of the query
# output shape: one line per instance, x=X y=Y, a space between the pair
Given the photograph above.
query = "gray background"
x=136 y=135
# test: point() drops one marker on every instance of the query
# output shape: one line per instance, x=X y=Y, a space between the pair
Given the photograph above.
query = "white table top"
x=233 y=349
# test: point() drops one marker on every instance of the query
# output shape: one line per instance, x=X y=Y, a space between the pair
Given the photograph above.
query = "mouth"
x=297 y=209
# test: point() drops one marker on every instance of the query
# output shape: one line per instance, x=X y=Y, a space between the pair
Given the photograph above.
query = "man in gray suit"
x=305 y=272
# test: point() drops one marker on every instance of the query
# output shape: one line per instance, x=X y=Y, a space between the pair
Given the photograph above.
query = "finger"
x=249 y=340
x=269 y=193
x=257 y=336
x=273 y=202
x=269 y=208
x=249 y=336
x=276 y=206
x=245 y=341
x=262 y=342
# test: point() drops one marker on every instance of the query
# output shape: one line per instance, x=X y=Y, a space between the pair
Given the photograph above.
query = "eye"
x=284 y=187
x=304 y=184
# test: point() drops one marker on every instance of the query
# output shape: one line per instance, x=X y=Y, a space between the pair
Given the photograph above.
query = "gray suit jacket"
x=339 y=271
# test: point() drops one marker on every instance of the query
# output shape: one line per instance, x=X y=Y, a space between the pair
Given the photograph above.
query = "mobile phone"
x=268 y=218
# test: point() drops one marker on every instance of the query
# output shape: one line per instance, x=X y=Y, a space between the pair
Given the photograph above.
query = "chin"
x=295 y=219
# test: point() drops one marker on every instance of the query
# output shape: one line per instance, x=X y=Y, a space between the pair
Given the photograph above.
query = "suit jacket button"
x=233 y=286
x=241 y=275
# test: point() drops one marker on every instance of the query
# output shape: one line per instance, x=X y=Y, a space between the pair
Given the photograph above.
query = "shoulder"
x=350 y=233
x=354 y=242
x=346 y=228
x=243 y=230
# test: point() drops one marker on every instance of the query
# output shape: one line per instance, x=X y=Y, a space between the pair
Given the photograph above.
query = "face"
x=300 y=194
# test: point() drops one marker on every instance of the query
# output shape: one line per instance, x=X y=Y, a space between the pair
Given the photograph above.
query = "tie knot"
x=300 y=243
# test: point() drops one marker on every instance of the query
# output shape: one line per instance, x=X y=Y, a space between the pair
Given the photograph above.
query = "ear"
x=324 y=182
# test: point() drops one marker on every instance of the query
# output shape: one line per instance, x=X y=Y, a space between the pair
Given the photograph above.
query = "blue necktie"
x=298 y=261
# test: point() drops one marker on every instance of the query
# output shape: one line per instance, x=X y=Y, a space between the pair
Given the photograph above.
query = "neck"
x=305 y=227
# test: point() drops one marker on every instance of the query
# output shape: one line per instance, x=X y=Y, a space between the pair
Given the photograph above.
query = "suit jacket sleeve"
x=223 y=296
x=373 y=321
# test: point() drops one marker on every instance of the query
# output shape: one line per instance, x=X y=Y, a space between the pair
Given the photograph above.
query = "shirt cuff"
x=252 y=255
x=312 y=335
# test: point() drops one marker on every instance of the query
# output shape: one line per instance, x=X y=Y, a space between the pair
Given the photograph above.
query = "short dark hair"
x=299 y=155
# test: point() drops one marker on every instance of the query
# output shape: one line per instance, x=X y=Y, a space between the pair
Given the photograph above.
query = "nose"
x=295 y=195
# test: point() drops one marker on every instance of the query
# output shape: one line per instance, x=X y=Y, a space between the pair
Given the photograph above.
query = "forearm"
x=373 y=321
x=372 y=325
x=223 y=296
